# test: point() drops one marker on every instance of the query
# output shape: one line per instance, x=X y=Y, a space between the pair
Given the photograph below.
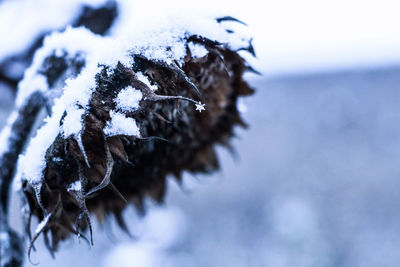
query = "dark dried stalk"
x=11 y=246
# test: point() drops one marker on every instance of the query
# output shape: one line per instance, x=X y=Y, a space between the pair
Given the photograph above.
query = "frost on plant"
x=124 y=112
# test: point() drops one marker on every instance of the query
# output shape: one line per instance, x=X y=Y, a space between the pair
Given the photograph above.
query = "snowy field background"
x=315 y=181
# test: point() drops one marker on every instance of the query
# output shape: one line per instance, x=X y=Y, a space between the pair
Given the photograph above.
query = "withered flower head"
x=144 y=120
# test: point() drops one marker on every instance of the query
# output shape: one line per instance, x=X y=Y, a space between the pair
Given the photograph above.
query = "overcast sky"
x=313 y=35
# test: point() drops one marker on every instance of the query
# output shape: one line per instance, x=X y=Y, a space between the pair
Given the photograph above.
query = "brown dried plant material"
x=101 y=174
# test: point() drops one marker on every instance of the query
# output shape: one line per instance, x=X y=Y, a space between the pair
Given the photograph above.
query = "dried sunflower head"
x=145 y=119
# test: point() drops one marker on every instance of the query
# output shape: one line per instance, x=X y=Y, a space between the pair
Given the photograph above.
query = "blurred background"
x=314 y=181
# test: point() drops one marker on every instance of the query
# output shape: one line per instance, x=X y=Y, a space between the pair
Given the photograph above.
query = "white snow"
x=32 y=163
x=197 y=50
x=141 y=77
x=42 y=224
x=128 y=99
x=75 y=186
x=33 y=82
x=150 y=35
x=66 y=41
x=200 y=107
x=77 y=91
x=121 y=125
x=72 y=122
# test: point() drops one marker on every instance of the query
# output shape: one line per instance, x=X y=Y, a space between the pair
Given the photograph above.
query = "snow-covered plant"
x=23 y=27
x=122 y=112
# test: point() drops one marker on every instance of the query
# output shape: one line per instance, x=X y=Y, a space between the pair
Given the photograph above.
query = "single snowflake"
x=200 y=107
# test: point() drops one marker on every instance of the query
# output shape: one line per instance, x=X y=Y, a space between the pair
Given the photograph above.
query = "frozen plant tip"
x=120 y=119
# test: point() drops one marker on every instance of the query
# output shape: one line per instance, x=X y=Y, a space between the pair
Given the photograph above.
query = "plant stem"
x=11 y=252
